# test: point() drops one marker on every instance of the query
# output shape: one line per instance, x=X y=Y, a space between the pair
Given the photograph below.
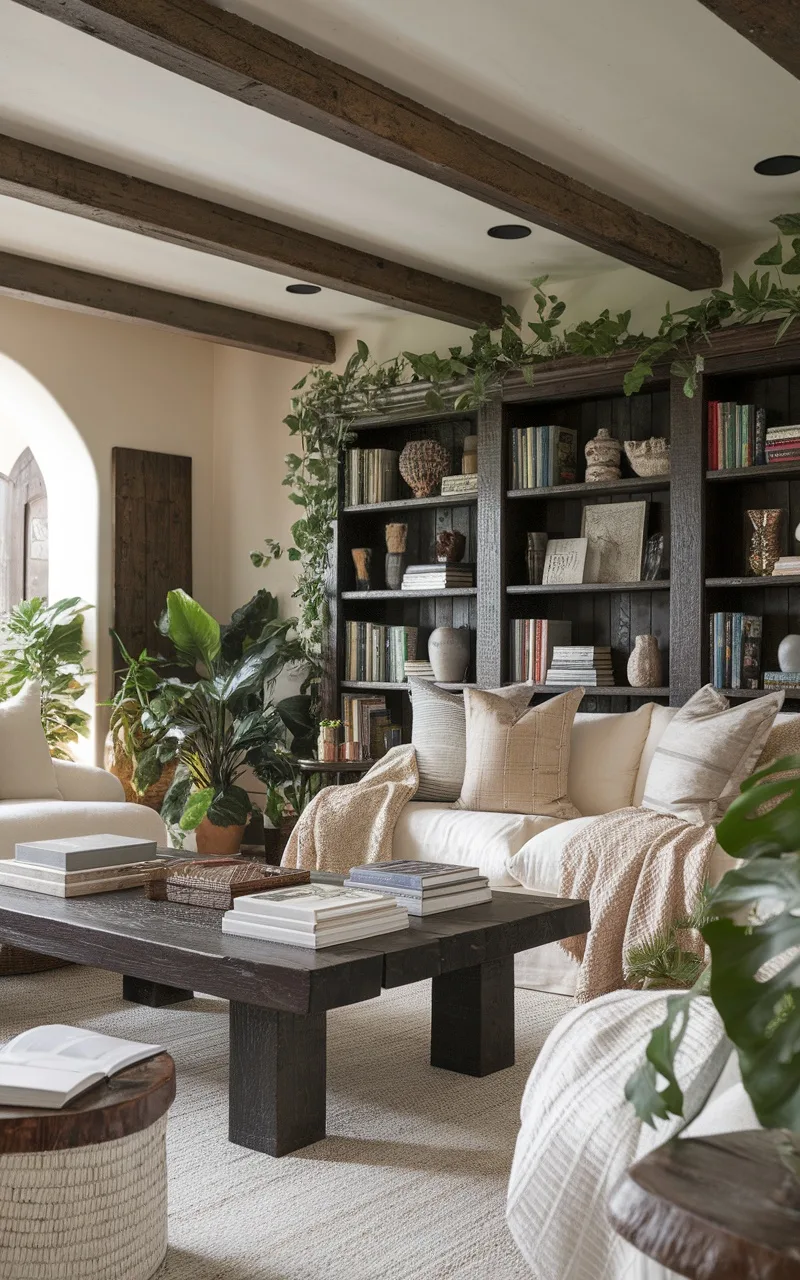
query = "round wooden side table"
x=83 y=1190
x=335 y=771
x=716 y=1208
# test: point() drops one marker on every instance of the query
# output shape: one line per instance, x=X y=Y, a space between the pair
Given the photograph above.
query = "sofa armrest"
x=86 y=782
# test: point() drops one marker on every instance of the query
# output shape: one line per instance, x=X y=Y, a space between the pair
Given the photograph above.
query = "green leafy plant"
x=662 y=962
x=44 y=642
x=136 y=696
x=753 y=933
x=220 y=723
x=326 y=405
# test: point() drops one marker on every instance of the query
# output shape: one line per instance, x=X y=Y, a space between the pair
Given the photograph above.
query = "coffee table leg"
x=472 y=1018
x=154 y=994
x=277 y=1079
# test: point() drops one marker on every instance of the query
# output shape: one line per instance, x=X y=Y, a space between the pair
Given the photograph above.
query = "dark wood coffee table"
x=279 y=996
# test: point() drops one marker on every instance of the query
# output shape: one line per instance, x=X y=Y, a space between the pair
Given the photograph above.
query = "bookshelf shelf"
x=771 y=471
x=444 y=593
x=784 y=580
x=412 y=504
x=606 y=691
x=387 y=686
x=588 y=588
x=758 y=693
x=636 y=484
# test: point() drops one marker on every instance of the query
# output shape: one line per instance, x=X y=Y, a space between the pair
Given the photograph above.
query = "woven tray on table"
x=215 y=882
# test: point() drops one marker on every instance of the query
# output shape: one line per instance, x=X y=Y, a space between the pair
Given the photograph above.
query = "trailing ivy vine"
x=326 y=405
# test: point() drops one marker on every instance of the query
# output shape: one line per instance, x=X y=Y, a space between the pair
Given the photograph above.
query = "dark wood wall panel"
x=152 y=541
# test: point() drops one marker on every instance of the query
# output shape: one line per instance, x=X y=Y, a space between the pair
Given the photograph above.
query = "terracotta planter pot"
x=121 y=765
x=214 y=839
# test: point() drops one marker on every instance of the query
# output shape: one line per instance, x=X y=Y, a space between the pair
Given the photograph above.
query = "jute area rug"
x=410 y=1184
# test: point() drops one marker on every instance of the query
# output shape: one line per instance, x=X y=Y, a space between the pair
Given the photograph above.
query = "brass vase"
x=764 y=540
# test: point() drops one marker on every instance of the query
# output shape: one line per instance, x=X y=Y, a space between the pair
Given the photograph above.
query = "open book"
x=49 y=1066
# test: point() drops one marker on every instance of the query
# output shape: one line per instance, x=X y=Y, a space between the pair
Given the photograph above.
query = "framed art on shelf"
x=615 y=533
x=565 y=561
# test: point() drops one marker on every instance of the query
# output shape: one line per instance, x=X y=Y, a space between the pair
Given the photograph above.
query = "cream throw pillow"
x=605 y=755
x=518 y=761
x=26 y=766
x=439 y=736
x=705 y=754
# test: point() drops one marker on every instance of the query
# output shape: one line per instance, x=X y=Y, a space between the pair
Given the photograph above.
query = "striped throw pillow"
x=705 y=754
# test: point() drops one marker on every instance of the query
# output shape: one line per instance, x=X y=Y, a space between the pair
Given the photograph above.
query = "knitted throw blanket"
x=344 y=827
x=641 y=872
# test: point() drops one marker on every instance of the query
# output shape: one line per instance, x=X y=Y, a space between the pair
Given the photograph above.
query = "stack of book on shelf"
x=364 y=719
x=424 y=888
x=737 y=435
x=371 y=475
x=419 y=668
x=735 y=658
x=376 y=652
x=782 y=680
x=532 y=644
x=575 y=664
x=80 y=865
x=48 y=1066
x=543 y=456
x=314 y=915
x=441 y=576
x=786 y=567
x=783 y=444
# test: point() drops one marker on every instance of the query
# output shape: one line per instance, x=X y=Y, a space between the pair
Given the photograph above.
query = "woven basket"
x=15 y=961
x=86 y=1213
x=121 y=765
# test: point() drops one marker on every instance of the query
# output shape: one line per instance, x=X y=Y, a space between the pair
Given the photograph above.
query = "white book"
x=311 y=902
x=48 y=1066
x=406 y=895
x=431 y=903
x=82 y=853
x=243 y=925
x=403 y=873
x=60 y=884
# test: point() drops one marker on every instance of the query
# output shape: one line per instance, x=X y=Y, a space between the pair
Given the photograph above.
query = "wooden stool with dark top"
x=83 y=1190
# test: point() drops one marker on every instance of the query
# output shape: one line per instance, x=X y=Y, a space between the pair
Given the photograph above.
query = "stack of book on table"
x=73 y=867
x=783 y=444
x=575 y=664
x=314 y=915
x=424 y=888
x=438 y=577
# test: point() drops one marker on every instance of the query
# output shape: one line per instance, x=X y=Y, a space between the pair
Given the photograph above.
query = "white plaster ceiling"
x=657 y=103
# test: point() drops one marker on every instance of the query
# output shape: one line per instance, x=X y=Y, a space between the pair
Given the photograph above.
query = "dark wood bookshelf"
x=443 y=593
x=634 y=484
x=395 y=686
x=700 y=513
x=587 y=588
x=606 y=691
x=791 y=694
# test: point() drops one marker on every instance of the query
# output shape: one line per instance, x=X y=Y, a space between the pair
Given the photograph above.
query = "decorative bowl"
x=422 y=465
x=648 y=457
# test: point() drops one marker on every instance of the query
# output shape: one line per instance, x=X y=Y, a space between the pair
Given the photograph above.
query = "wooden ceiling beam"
x=773 y=26
x=62 y=182
x=227 y=53
x=47 y=282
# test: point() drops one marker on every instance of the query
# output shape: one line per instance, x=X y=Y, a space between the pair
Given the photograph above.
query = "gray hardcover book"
x=84 y=853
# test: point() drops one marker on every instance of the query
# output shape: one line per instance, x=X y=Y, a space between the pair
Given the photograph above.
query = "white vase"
x=449 y=653
x=789 y=653
x=644 y=664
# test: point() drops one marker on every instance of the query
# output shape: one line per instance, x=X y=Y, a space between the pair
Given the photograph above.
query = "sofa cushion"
x=518 y=762
x=604 y=759
x=705 y=754
x=660 y=717
x=26 y=766
x=432 y=833
x=24 y=820
x=87 y=782
x=439 y=735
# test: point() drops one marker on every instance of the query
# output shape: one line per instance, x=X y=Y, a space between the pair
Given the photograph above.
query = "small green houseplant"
x=128 y=741
x=44 y=642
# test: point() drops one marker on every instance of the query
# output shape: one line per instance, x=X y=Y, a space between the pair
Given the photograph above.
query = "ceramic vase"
x=422 y=465
x=764 y=540
x=648 y=457
x=644 y=664
x=789 y=653
x=396 y=559
x=449 y=653
x=450 y=546
x=602 y=458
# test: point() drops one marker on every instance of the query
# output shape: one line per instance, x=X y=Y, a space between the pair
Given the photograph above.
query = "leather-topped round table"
x=83 y=1190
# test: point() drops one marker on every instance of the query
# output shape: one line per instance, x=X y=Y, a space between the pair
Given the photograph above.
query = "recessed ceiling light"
x=777 y=166
x=303 y=288
x=509 y=231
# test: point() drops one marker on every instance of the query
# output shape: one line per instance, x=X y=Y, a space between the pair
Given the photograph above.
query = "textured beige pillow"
x=439 y=735
x=518 y=761
x=26 y=767
x=783 y=740
x=705 y=754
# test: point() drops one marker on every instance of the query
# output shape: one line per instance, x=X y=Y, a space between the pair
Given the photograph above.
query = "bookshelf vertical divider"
x=688 y=632
x=492 y=559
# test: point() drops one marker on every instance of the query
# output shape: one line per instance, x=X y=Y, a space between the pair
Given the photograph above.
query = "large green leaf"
x=230 y=807
x=247 y=624
x=174 y=801
x=196 y=808
x=194 y=633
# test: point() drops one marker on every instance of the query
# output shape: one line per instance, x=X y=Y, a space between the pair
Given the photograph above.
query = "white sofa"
x=609 y=761
x=92 y=803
